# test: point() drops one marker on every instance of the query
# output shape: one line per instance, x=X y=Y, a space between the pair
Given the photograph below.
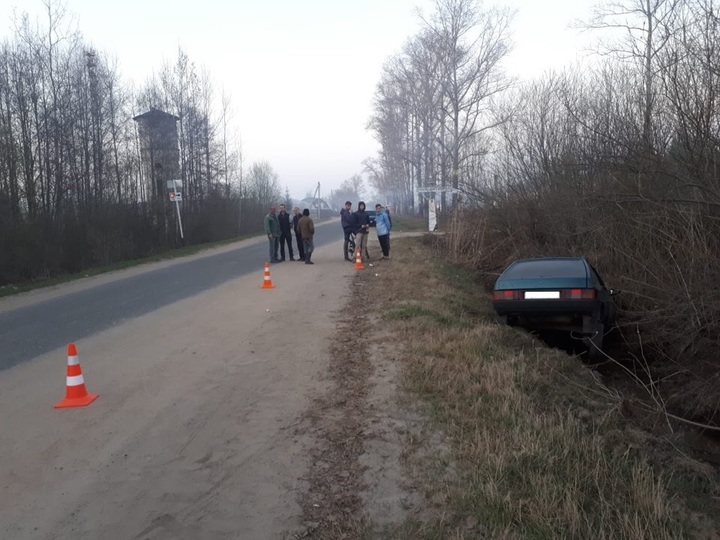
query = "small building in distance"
x=318 y=207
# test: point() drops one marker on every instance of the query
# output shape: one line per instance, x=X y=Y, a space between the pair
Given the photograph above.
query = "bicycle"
x=352 y=247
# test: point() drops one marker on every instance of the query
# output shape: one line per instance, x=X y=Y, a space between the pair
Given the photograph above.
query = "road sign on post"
x=428 y=193
x=175 y=187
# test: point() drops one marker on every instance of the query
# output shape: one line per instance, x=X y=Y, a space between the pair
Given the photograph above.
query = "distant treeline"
x=72 y=191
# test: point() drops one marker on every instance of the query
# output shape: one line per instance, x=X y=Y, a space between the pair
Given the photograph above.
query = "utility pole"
x=317 y=200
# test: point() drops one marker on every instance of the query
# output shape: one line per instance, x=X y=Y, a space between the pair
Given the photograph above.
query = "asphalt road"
x=30 y=331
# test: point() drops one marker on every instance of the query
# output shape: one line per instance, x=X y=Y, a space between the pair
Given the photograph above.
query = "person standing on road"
x=285 y=233
x=272 y=230
x=307 y=230
x=383 y=226
x=298 y=237
x=361 y=223
x=346 y=220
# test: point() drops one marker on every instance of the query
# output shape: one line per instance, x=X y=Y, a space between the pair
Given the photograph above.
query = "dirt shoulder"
x=357 y=486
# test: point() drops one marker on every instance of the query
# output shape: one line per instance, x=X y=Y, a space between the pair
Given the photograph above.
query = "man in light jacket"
x=383 y=226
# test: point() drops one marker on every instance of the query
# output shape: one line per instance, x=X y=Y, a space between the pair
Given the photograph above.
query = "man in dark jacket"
x=285 y=233
x=361 y=224
x=298 y=237
x=346 y=220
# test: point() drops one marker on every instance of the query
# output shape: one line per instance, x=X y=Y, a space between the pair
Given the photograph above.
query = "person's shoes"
x=309 y=262
x=348 y=259
x=282 y=259
x=274 y=261
x=292 y=258
x=385 y=257
x=301 y=259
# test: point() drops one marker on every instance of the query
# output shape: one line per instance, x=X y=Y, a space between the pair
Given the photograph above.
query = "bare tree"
x=435 y=101
x=263 y=184
x=648 y=26
x=473 y=44
x=351 y=189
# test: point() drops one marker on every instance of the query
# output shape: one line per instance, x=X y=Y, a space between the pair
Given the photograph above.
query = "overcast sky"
x=301 y=74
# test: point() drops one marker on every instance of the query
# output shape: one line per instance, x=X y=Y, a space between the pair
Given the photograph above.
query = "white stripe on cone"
x=76 y=380
x=73 y=361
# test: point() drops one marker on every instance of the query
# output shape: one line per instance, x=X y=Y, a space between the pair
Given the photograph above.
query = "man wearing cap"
x=307 y=230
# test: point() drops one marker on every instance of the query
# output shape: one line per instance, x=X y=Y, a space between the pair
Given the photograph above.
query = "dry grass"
x=536 y=448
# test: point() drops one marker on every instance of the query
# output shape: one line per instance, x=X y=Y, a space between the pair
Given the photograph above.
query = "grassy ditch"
x=526 y=442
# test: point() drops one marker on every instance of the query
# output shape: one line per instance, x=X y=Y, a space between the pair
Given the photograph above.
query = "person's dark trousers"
x=283 y=239
x=301 y=250
x=347 y=232
x=385 y=244
x=309 y=248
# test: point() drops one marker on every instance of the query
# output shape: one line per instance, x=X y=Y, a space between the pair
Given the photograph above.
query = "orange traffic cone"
x=76 y=395
x=267 y=282
x=358 y=261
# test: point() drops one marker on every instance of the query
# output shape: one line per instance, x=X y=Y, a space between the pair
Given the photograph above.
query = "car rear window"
x=546 y=268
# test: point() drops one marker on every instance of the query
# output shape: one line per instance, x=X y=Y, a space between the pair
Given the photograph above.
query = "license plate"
x=541 y=295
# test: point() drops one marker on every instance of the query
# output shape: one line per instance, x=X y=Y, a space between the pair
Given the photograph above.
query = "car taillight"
x=579 y=294
x=506 y=295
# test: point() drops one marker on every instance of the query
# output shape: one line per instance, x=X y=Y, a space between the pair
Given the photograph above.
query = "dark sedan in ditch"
x=556 y=293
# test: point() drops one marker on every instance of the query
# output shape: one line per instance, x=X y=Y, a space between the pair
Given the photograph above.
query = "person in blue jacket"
x=383 y=226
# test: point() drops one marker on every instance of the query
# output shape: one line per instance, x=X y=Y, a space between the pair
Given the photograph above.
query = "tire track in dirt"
x=356 y=485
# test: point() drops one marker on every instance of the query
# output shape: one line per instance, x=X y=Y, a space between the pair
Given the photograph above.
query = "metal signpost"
x=176 y=196
x=428 y=194
x=316 y=203
x=432 y=216
x=425 y=192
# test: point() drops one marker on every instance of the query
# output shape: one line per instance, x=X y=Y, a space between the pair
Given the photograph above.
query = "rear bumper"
x=581 y=316
x=549 y=308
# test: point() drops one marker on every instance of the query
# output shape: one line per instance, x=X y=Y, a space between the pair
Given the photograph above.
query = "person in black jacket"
x=285 y=233
x=347 y=221
x=361 y=222
x=298 y=236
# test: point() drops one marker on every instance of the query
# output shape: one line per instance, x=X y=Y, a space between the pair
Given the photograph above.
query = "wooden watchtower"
x=159 y=151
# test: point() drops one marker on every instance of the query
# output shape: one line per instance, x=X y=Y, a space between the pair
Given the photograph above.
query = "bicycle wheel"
x=351 y=248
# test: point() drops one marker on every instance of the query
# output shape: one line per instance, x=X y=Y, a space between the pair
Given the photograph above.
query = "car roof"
x=546 y=271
